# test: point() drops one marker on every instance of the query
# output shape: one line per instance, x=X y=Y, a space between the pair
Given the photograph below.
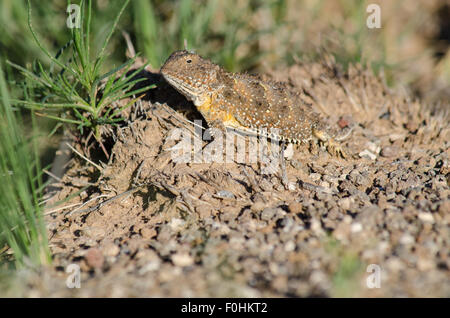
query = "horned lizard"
x=246 y=102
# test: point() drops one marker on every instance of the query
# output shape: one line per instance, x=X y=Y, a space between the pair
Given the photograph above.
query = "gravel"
x=228 y=230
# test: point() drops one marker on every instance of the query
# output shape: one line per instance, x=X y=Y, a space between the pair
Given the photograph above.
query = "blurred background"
x=411 y=46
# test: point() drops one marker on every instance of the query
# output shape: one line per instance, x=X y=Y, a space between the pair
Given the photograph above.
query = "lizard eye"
x=189 y=61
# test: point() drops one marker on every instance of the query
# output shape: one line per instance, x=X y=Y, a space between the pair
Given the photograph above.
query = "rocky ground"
x=144 y=225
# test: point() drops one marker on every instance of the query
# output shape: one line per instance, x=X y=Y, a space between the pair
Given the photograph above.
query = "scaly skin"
x=245 y=102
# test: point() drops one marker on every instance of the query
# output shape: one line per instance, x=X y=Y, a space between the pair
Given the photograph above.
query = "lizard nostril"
x=189 y=61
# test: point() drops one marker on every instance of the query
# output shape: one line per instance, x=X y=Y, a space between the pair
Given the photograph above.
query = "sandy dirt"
x=148 y=226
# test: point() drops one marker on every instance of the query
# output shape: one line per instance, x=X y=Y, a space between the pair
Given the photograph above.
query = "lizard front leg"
x=333 y=147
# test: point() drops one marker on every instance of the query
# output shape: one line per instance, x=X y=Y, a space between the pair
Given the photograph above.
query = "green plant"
x=21 y=224
x=158 y=35
x=74 y=90
x=215 y=29
x=348 y=272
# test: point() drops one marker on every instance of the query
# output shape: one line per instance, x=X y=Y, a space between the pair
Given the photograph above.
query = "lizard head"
x=190 y=74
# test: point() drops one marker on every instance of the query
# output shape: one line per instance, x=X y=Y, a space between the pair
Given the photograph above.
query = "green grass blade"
x=21 y=223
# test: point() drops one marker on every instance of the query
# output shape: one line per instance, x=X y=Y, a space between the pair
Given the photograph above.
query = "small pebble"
x=110 y=249
x=225 y=194
x=176 y=224
x=367 y=154
x=94 y=258
x=257 y=206
x=373 y=147
x=295 y=207
x=426 y=217
x=182 y=259
x=268 y=213
x=356 y=227
x=344 y=122
x=346 y=203
x=389 y=151
x=406 y=239
x=289 y=151
x=395 y=137
x=148 y=233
